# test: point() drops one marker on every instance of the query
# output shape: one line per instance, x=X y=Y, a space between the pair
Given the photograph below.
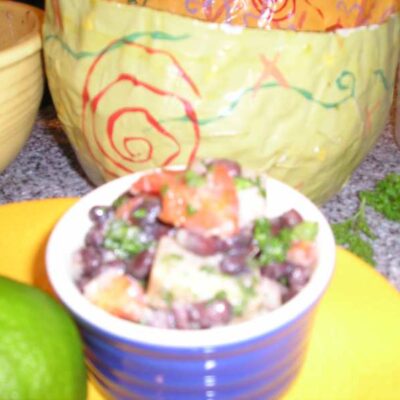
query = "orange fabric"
x=354 y=352
x=299 y=15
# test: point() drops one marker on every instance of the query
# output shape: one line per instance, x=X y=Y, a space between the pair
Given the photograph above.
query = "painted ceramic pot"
x=137 y=88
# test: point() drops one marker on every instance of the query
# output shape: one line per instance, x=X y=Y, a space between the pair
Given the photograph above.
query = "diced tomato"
x=120 y=295
x=156 y=182
x=210 y=208
x=175 y=203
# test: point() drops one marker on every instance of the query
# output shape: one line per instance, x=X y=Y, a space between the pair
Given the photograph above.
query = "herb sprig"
x=354 y=234
x=385 y=198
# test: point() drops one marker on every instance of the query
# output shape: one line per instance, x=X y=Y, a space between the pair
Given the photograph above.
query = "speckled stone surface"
x=47 y=167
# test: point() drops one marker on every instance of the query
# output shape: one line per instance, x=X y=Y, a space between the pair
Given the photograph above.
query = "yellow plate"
x=354 y=354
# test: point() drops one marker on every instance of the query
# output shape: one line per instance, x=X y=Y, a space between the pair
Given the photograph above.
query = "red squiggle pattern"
x=134 y=148
x=57 y=14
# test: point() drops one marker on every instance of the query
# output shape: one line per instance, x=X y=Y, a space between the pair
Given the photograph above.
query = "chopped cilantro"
x=164 y=189
x=124 y=239
x=273 y=248
x=209 y=269
x=190 y=210
x=171 y=258
x=194 y=179
x=304 y=231
x=140 y=213
x=248 y=291
x=238 y=309
x=261 y=187
x=121 y=200
x=354 y=234
x=284 y=281
x=385 y=198
x=221 y=295
x=243 y=183
x=262 y=231
x=168 y=297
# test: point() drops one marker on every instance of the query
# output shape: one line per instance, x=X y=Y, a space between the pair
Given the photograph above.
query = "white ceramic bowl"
x=257 y=359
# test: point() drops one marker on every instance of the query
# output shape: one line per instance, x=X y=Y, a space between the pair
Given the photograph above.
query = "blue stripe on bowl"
x=261 y=368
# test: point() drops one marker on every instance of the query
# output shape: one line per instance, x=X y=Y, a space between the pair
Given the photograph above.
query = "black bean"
x=100 y=214
x=290 y=219
x=209 y=314
x=147 y=210
x=199 y=244
x=82 y=281
x=294 y=277
x=298 y=278
x=182 y=318
x=156 y=231
x=276 y=226
x=287 y=295
x=92 y=258
x=116 y=263
x=233 y=264
x=277 y=271
x=140 y=266
x=241 y=243
x=95 y=236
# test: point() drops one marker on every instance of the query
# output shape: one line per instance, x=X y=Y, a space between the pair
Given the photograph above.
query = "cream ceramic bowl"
x=21 y=76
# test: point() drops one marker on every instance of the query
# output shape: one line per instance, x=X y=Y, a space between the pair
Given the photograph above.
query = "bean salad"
x=192 y=249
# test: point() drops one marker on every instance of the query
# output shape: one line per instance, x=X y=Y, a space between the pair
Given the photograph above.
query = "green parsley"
x=304 y=231
x=168 y=297
x=273 y=247
x=261 y=188
x=171 y=258
x=243 y=183
x=248 y=291
x=385 y=198
x=220 y=295
x=194 y=179
x=124 y=239
x=140 y=213
x=124 y=197
x=354 y=234
x=164 y=189
x=284 y=281
x=209 y=269
x=190 y=210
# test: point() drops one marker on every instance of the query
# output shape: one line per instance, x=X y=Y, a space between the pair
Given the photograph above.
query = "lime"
x=41 y=352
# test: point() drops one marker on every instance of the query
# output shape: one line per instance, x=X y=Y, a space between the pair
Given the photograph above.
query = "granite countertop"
x=47 y=168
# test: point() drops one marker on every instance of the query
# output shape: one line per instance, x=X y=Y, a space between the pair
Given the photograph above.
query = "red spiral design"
x=125 y=160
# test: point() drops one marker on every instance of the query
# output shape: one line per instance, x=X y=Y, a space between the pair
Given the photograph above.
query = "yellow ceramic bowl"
x=21 y=76
x=137 y=88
